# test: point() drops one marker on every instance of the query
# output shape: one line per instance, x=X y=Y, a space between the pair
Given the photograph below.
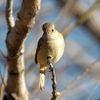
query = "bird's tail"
x=42 y=77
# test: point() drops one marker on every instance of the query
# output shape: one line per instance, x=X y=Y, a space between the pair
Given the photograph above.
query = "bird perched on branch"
x=51 y=44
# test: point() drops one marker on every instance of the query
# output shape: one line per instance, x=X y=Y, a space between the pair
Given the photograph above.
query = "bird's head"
x=48 y=28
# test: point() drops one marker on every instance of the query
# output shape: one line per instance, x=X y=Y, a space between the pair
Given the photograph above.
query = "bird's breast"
x=51 y=47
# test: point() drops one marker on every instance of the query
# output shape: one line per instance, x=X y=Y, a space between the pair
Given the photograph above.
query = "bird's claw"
x=50 y=70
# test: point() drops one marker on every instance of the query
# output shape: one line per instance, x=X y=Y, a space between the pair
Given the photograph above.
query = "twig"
x=93 y=90
x=66 y=8
x=8 y=13
x=2 y=87
x=54 y=93
x=2 y=56
x=79 y=77
x=81 y=20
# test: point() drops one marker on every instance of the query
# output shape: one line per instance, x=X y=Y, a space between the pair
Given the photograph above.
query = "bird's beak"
x=47 y=32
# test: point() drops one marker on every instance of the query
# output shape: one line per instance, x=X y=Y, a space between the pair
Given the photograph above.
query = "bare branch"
x=8 y=13
x=2 y=86
x=2 y=56
x=92 y=23
x=67 y=7
x=54 y=93
x=81 y=20
x=93 y=90
x=80 y=76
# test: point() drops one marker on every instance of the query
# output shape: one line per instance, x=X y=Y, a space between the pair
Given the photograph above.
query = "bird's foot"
x=49 y=60
x=49 y=63
x=50 y=70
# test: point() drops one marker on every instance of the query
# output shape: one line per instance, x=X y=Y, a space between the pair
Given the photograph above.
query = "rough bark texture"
x=16 y=88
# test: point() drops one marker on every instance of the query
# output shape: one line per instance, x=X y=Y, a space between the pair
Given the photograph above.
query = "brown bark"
x=16 y=88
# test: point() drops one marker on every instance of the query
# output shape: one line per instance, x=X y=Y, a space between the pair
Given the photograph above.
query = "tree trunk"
x=16 y=87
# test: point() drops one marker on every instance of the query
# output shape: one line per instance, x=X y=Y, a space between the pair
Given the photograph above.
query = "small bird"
x=51 y=44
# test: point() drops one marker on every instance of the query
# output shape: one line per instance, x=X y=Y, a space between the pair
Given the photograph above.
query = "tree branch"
x=80 y=76
x=54 y=96
x=3 y=84
x=92 y=23
x=8 y=12
x=16 y=87
x=93 y=90
x=81 y=20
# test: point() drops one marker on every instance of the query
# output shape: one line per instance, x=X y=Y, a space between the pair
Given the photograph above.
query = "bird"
x=51 y=44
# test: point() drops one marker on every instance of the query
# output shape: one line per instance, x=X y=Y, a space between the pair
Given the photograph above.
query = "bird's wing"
x=38 y=48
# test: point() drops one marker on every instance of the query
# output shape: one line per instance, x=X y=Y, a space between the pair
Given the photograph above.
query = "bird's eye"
x=52 y=30
x=44 y=29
